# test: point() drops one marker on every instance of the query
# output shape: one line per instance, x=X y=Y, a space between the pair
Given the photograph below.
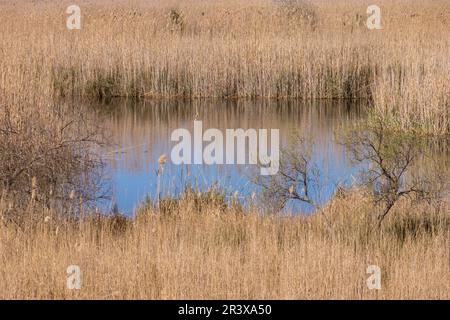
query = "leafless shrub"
x=390 y=156
x=298 y=178
x=48 y=154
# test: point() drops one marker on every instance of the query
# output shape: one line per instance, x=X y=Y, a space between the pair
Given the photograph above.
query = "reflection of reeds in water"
x=142 y=130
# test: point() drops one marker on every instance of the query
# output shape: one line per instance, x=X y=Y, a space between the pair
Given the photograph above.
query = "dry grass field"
x=200 y=250
x=237 y=49
x=216 y=50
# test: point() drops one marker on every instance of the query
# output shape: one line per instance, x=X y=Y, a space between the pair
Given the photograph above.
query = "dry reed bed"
x=211 y=253
x=228 y=51
x=237 y=50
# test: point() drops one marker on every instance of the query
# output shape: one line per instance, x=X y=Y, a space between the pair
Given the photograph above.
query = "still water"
x=141 y=133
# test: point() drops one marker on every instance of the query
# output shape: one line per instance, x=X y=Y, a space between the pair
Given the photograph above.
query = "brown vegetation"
x=195 y=247
x=199 y=249
x=272 y=49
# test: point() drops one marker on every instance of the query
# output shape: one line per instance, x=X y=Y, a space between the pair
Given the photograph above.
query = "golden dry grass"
x=208 y=252
x=222 y=50
x=235 y=49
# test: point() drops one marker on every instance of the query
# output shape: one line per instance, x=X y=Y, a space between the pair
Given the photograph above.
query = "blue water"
x=141 y=134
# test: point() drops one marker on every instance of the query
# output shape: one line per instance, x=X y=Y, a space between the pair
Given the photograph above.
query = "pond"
x=141 y=133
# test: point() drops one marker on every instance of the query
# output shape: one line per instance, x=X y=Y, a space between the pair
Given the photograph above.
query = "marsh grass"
x=196 y=246
x=281 y=49
x=208 y=252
